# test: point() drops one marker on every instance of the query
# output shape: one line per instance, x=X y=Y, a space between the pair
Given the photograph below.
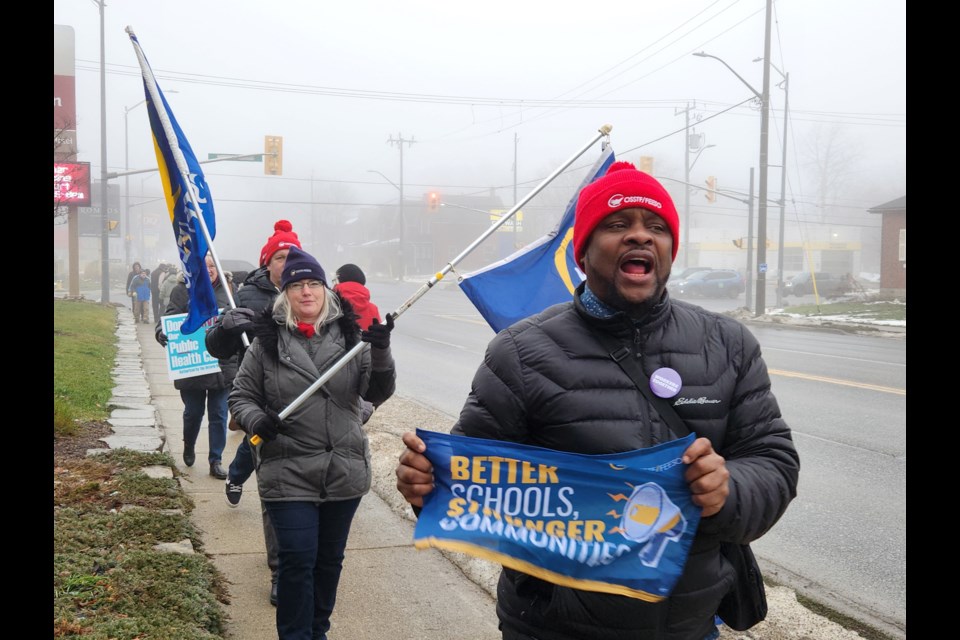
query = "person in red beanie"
x=564 y=379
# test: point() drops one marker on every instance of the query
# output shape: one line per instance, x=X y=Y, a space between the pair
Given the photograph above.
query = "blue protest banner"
x=619 y=523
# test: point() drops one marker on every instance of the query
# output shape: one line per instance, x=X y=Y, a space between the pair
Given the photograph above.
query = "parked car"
x=828 y=285
x=677 y=276
x=712 y=283
x=238 y=268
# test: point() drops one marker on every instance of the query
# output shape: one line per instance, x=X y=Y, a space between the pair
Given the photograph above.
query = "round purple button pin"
x=665 y=382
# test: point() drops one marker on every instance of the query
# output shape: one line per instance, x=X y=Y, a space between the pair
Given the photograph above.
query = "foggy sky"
x=464 y=81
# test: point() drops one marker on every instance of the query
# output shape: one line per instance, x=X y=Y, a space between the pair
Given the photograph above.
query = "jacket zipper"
x=646 y=418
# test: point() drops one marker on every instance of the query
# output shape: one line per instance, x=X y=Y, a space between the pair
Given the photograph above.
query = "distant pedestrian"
x=173 y=278
x=140 y=290
x=204 y=393
x=156 y=277
x=135 y=269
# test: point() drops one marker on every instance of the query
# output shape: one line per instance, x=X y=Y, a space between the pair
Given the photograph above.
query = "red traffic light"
x=433 y=201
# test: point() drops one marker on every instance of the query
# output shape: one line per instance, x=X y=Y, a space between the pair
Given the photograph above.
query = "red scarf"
x=306 y=329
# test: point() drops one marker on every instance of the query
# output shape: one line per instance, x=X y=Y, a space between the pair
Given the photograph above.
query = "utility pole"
x=516 y=139
x=686 y=179
x=783 y=187
x=104 y=216
x=403 y=259
x=764 y=170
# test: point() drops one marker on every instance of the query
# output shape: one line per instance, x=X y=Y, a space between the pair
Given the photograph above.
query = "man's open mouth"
x=637 y=266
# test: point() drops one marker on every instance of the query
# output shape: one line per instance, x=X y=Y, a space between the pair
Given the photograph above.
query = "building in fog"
x=893 y=246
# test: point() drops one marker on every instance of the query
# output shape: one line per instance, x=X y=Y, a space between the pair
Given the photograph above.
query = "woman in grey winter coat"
x=314 y=466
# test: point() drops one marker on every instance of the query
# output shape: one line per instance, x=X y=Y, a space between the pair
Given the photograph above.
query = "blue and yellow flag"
x=188 y=197
x=541 y=274
x=619 y=523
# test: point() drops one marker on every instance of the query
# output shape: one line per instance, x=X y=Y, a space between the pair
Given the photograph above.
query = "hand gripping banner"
x=619 y=523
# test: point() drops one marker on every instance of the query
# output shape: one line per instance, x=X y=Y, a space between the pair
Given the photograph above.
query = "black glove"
x=161 y=338
x=378 y=335
x=237 y=321
x=268 y=426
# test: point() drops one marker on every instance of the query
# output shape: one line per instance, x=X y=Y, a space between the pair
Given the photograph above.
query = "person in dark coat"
x=549 y=381
x=156 y=277
x=314 y=466
x=224 y=338
x=204 y=393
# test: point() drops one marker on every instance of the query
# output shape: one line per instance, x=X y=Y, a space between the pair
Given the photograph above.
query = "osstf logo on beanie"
x=623 y=187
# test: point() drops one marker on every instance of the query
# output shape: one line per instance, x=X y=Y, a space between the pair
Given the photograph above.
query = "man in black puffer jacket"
x=549 y=381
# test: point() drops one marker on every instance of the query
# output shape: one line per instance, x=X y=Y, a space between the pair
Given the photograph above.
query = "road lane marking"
x=832 y=355
x=463 y=318
x=847 y=383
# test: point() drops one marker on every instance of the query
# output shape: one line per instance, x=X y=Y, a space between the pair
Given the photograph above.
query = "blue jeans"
x=242 y=466
x=312 y=538
x=216 y=407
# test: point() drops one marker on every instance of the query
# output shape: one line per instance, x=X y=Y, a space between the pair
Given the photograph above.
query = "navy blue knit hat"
x=300 y=265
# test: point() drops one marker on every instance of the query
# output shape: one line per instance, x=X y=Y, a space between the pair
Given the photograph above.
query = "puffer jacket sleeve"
x=759 y=451
x=247 y=396
x=495 y=407
x=383 y=376
x=219 y=343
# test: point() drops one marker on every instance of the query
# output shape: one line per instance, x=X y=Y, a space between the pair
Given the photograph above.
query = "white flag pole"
x=154 y=91
x=603 y=132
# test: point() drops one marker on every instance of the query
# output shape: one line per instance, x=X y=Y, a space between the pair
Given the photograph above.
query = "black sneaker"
x=234 y=493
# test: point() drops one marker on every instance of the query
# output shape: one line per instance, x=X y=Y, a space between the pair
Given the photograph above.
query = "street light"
x=396 y=186
x=702 y=149
x=126 y=182
x=764 y=126
x=783 y=178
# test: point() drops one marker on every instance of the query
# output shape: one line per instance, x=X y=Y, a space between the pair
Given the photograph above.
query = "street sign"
x=763 y=267
x=249 y=158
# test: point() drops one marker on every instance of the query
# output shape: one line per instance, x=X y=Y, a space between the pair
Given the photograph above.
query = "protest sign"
x=187 y=354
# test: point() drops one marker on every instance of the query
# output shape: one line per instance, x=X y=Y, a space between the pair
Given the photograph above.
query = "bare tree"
x=831 y=159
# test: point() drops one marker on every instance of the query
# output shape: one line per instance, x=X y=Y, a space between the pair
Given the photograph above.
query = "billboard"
x=91 y=224
x=71 y=184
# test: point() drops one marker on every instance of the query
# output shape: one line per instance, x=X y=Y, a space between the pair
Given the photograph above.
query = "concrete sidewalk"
x=387 y=589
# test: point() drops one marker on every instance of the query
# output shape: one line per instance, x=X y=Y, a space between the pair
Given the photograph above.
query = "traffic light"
x=711 y=189
x=433 y=201
x=273 y=155
x=646 y=164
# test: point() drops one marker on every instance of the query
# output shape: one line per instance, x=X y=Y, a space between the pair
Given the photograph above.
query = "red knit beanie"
x=623 y=187
x=283 y=238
